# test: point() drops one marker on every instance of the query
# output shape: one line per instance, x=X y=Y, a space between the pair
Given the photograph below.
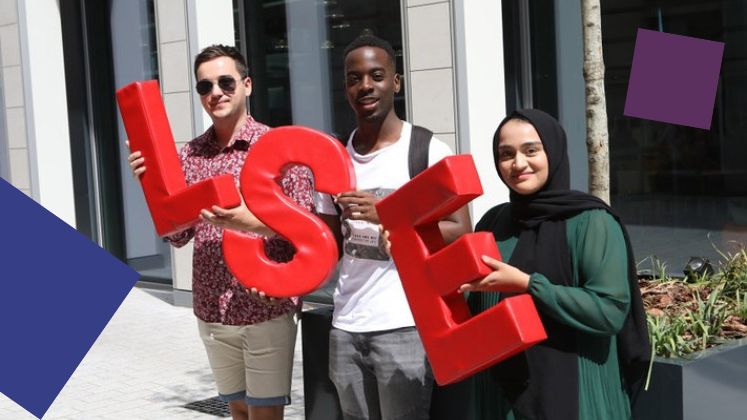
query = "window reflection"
x=135 y=57
x=682 y=190
x=295 y=57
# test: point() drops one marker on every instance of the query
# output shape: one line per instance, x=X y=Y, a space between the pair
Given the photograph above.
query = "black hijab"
x=542 y=382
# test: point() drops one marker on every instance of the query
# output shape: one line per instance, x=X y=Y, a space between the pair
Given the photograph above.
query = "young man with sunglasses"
x=376 y=359
x=249 y=338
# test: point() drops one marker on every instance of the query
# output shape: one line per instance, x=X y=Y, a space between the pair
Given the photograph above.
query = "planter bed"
x=711 y=385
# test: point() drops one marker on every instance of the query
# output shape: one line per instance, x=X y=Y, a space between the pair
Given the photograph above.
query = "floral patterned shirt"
x=218 y=296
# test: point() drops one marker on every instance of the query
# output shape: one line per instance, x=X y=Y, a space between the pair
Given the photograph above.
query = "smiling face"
x=223 y=104
x=370 y=82
x=522 y=160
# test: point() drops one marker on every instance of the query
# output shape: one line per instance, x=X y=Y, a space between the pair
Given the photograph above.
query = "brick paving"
x=147 y=364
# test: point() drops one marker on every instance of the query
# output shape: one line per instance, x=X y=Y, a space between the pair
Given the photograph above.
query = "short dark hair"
x=219 y=50
x=370 y=40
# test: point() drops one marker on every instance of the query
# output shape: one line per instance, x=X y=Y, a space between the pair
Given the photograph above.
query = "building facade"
x=465 y=64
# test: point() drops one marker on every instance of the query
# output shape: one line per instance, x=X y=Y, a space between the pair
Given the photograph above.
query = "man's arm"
x=296 y=183
x=333 y=222
x=137 y=166
x=237 y=218
x=326 y=209
x=361 y=206
x=455 y=225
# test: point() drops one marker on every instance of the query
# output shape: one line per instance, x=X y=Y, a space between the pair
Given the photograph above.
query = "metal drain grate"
x=213 y=406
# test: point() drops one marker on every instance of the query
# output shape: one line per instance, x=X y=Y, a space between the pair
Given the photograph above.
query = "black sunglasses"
x=226 y=83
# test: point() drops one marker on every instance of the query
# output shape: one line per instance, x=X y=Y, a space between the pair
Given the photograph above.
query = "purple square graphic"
x=673 y=79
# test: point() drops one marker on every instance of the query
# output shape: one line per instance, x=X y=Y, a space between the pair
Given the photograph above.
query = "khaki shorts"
x=252 y=362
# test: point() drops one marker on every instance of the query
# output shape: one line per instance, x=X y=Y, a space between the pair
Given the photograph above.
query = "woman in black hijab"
x=570 y=252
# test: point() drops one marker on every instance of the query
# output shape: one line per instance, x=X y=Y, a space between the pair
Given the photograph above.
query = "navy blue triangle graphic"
x=58 y=290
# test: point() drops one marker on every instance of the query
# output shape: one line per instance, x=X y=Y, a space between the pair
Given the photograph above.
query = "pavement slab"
x=147 y=364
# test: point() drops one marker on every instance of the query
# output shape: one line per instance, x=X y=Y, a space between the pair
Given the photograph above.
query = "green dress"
x=596 y=308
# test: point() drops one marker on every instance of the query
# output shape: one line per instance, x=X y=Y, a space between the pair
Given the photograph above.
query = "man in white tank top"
x=377 y=361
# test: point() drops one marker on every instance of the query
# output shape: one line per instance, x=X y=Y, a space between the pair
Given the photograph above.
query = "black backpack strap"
x=417 y=158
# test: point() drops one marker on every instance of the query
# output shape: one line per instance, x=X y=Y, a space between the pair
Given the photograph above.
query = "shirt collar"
x=240 y=141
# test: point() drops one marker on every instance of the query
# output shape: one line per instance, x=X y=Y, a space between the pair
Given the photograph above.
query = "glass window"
x=295 y=57
x=135 y=57
x=682 y=191
x=529 y=43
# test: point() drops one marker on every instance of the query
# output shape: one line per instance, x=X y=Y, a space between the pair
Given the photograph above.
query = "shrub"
x=690 y=315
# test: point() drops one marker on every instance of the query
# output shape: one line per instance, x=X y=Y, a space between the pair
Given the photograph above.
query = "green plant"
x=667 y=336
x=741 y=305
x=733 y=273
x=708 y=318
x=657 y=268
x=685 y=316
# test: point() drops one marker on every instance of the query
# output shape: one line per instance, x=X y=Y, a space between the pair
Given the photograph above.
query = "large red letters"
x=173 y=205
x=316 y=249
x=458 y=344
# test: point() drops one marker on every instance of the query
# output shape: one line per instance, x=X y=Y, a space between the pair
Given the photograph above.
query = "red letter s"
x=316 y=249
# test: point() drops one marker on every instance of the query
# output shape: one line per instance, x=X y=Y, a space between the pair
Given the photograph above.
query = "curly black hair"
x=370 y=40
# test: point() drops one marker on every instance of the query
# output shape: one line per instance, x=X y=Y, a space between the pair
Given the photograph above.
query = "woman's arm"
x=599 y=304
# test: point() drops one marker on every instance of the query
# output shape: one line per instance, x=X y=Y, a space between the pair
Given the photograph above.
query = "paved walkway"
x=147 y=364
